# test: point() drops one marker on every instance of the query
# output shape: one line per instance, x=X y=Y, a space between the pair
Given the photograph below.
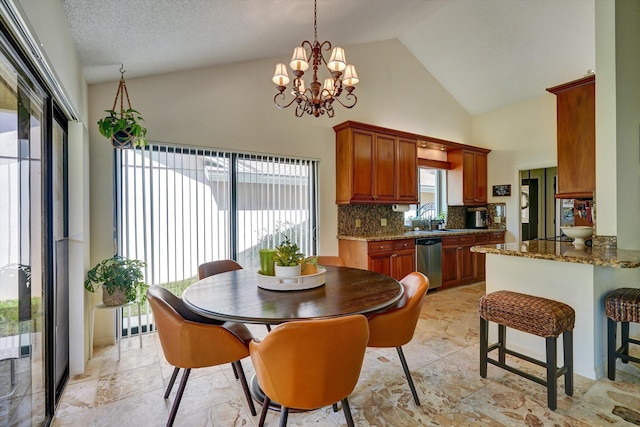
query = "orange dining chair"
x=395 y=327
x=193 y=341
x=310 y=364
x=216 y=267
x=335 y=261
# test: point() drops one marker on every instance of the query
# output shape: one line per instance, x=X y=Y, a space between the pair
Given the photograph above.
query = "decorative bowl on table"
x=297 y=283
x=578 y=233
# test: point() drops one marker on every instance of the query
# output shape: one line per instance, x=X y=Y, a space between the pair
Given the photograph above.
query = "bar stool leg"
x=552 y=379
x=484 y=345
x=502 y=338
x=567 y=343
x=612 y=329
x=624 y=333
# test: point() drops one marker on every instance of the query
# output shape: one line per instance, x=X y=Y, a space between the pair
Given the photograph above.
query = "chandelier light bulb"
x=280 y=76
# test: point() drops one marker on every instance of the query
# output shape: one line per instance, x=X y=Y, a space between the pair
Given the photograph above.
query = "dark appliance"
x=429 y=260
x=476 y=218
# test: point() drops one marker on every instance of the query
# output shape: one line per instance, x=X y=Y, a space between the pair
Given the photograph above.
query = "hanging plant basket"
x=123 y=127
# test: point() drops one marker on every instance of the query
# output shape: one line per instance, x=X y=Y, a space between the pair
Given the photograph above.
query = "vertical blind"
x=179 y=207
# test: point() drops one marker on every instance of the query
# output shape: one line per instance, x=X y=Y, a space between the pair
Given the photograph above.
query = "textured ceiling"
x=486 y=53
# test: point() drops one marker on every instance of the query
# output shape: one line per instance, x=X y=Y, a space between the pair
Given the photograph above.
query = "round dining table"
x=235 y=296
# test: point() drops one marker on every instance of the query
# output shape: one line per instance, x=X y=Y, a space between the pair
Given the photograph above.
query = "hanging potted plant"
x=287 y=259
x=123 y=128
x=121 y=280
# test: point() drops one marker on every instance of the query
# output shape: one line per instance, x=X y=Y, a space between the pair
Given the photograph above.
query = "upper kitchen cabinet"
x=576 y=138
x=375 y=165
x=467 y=178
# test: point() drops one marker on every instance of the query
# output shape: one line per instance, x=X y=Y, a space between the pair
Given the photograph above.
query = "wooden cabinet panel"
x=362 y=160
x=576 y=138
x=395 y=258
x=496 y=237
x=384 y=169
x=407 y=171
x=479 y=260
x=465 y=258
x=467 y=179
x=374 y=167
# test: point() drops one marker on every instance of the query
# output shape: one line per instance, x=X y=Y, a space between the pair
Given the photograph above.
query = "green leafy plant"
x=119 y=273
x=288 y=254
x=123 y=128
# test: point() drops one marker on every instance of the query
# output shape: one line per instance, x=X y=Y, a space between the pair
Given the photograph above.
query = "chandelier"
x=317 y=99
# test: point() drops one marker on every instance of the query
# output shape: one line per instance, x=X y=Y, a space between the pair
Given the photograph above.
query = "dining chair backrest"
x=216 y=267
x=190 y=343
x=312 y=363
x=396 y=326
x=335 y=261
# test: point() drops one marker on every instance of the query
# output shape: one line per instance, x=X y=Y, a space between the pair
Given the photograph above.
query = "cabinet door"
x=465 y=258
x=496 y=237
x=480 y=177
x=363 y=154
x=407 y=171
x=384 y=169
x=380 y=263
x=403 y=264
x=450 y=261
x=480 y=259
x=468 y=178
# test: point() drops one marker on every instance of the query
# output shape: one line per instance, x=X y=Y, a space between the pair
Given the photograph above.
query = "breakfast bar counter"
x=578 y=276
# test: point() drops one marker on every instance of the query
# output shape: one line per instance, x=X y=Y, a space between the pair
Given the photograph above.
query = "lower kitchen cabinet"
x=493 y=237
x=395 y=258
x=460 y=266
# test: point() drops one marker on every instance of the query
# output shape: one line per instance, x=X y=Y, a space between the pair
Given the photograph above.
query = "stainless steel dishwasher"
x=429 y=260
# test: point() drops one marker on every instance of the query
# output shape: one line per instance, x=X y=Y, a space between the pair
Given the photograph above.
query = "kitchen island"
x=579 y=277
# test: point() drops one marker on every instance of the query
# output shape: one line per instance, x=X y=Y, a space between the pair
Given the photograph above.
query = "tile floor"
x=443 y=358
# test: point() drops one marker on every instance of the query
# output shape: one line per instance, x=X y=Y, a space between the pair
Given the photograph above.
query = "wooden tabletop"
x=235 y=296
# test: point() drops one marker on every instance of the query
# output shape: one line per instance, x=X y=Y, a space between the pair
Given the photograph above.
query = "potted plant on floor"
x=287 y=259
x=121 y=280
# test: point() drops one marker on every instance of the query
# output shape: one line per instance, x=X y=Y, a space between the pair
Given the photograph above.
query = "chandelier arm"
x=348 y=97
x=282 y=95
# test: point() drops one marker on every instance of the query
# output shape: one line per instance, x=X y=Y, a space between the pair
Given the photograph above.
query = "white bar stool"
x=118 y=309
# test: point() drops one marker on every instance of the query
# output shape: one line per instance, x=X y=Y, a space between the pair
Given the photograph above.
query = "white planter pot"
x=288 y=271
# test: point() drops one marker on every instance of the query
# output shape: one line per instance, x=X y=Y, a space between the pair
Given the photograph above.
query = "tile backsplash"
x=369 y=218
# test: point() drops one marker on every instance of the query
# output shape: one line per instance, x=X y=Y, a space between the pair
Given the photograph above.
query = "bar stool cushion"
x=527 y=313
x=623 y=305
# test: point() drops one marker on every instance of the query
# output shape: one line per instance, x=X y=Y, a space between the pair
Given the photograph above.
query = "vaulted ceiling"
x=486 y=53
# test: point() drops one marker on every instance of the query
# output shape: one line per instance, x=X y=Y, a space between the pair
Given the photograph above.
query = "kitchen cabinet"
x=375 y=165
x=395 y=258
x=457 y=260
x=467 y=178
x=575 y=110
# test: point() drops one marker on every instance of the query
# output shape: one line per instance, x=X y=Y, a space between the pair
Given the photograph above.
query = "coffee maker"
x=476 y=218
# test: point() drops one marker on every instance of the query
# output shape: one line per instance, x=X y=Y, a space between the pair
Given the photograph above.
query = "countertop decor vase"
x=288 y=271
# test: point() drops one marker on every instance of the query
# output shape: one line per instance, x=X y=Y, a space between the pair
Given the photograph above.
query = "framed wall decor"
x=502 y=190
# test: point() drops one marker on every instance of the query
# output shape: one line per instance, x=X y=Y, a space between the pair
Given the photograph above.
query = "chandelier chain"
x=315 y=20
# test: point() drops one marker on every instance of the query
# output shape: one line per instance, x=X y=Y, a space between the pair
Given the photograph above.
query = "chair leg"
x=284 y=415
x=171 y=382
x=484 y=345
x=408 y=375
x=612 y=329
x=552 y=371
x=567 y=343
x=265 y=409
x=235 y=372
x=624 y=334
x=176 y=403
x=245 y=387
x=268 y=328
x=347 y=412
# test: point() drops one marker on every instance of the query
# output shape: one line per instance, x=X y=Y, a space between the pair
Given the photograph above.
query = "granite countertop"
x=419 y=234
x=565 y=252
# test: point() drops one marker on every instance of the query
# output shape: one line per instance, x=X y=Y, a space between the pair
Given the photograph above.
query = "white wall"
x=521 y=136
